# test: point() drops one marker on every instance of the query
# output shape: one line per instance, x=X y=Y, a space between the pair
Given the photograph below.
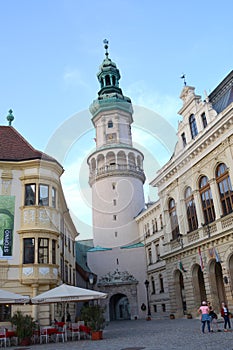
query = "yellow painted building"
x=37 y=235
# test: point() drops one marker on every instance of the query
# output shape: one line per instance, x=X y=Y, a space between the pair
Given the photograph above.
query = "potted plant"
x=93 y=316
x=25 y=327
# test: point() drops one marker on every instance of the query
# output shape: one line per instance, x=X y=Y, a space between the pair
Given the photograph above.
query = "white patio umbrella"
x=7 y=297
x=65 y=293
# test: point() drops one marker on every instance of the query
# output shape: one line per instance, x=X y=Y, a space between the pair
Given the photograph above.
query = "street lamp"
x=91 y=279
x=148 y=303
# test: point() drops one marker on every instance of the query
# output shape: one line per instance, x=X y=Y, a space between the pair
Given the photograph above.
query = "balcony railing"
x=117 y=169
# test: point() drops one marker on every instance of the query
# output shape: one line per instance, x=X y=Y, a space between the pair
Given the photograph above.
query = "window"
x=54 y=197
x=53 y=251
x=43 y=251
x=161 y=283
x=204 y=120
x=225 y=188
x=153 y=285
x=110 y=124
x=154 y=226
x=173 y=218
x=113 y=185
x=5 y=312
x=28 y=250
x=30 y=194
x=155 y=307
x=107 y=80
x=62 y=268
x=114 y=202
x=206 y=200
x=149 y=256
x=114 y=217
x=66 y=274
x=161 y=221
x=190 y=210
x=44 y=195
x=115 y=234
x=164 y=307
x=183 y=139
x=193 y=126
x=157 y=250
x=148 y=230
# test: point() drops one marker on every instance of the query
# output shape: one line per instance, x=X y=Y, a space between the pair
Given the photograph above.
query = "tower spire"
x=106 y=47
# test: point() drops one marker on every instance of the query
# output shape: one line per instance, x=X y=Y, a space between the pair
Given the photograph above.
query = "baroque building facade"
x=189 y=230
x=37 y=235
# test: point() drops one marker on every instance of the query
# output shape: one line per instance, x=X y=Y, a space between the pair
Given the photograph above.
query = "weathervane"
x=106 y=47
x=183 y=77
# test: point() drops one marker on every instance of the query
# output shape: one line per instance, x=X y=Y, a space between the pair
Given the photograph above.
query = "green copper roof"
x=136 y=245
x=98 y=249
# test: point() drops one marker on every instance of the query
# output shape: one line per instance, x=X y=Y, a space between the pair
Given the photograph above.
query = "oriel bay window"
x=28 y=251
x=36 y=250
x=43 y=251
x=30 y=194
x=40 y=195
x=43 y=195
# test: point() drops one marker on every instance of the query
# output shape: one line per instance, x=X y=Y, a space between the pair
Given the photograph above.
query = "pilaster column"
x=216 y=199
x=198 y=206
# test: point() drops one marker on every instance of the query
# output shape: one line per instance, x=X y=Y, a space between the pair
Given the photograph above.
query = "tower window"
x=113 y=185
x=114 y=217
x=114 y=201
x=113 y=80
x=117 y=261
x=115 y=234
x=110 y=124
x=107 y=80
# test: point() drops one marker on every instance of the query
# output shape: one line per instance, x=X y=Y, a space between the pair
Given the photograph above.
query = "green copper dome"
x=110 y=96
x=108 y=75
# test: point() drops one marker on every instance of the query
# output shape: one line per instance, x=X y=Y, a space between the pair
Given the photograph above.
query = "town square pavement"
x=149 y=335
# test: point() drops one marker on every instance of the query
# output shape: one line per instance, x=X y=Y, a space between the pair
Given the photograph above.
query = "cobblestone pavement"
x=149 y=335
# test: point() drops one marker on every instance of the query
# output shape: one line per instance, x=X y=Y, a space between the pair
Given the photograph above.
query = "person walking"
x=225 y=314
x=213 y=320
x=205 y=318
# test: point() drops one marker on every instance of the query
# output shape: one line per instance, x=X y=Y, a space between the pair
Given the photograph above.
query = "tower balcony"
x=116 y=170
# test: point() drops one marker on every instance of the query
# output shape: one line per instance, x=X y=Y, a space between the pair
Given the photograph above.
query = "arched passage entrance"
x=216 y=284
x=119 y=307
x=180 y=293
x=199 y=290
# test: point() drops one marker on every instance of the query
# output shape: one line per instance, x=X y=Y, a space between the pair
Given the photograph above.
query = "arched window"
x=110 y=124
x=206 y=200
x=190 y=210
x=113 y=80
x=107 y=80
x=225 y=188
x=173 y=218
x=193 y=126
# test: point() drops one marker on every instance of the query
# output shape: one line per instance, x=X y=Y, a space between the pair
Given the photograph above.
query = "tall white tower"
x=116 y=178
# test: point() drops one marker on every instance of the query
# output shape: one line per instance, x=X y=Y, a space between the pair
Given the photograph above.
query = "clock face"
x=110 y=136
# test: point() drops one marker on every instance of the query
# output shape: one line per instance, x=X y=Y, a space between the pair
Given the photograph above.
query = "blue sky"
x=50 y=54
